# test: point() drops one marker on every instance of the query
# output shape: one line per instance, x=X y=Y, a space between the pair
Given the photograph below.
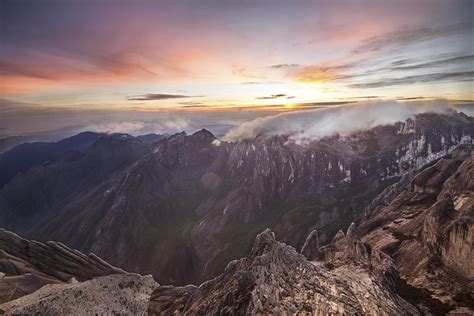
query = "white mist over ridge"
x=343 y=119
x=168 y=126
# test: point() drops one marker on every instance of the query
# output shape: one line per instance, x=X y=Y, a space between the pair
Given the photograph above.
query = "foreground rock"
x=126 y=294
x=27 y=265
x=274 y=278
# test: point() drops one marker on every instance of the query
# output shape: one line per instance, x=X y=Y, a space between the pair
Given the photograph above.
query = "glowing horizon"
x=220 y=58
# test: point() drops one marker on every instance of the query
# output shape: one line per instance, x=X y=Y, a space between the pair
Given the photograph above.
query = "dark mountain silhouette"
x=25 y=156
x=33 y=197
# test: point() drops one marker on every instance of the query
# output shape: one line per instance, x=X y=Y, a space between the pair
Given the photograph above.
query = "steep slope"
x=428 y=230
x=28 y=265
x=275 y=279
x=194 y=203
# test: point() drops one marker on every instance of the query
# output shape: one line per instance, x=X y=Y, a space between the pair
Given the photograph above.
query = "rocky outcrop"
x=428 y=230
x=347 y=248
x=310 y=247
x=120 y=294
x=169 y=300
x=28 y=265
x=274 y=278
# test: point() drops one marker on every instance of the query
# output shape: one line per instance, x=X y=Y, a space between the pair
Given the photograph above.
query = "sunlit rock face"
x=428 y=230
x=187 y=205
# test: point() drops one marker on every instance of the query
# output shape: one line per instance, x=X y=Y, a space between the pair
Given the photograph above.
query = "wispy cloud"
x=353 y=65
x=245 y=72
x=434 y=77
x=260 y=82
x=402 y=65
x=273 y=96
x=284 y=66
x=365 y=97
x=409 y=98
x=347 y=72
x=408 y=35
x=191 y=104
x=161 y=96
x=325 y=104
x=322 y=72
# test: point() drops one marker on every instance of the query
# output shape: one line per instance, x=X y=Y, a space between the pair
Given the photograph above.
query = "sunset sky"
x=209 y=56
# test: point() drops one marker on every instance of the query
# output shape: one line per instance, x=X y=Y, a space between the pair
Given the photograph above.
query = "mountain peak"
x=204 y=134
x=263 y=242
x=179 y=135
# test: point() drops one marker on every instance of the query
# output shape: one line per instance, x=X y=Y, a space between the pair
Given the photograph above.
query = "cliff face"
x=428 y=229
x=192 y=204
x=457 y=242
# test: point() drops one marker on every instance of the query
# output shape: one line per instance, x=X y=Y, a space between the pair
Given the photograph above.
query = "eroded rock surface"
x=27 y=265
x=124 y=294
x=429 y=231
x=275 y=278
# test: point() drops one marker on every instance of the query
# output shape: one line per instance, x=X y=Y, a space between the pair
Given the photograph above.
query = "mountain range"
x=182 y=207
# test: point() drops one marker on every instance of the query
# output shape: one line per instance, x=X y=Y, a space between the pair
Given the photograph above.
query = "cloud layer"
x=343 y=119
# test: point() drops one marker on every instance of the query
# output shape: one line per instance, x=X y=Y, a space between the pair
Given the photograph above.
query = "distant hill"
x=26 y=155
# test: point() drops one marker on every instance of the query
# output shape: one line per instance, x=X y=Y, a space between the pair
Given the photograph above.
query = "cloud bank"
x=342 y=119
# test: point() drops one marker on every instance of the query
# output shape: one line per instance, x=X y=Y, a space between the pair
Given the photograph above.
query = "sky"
x=184 y=64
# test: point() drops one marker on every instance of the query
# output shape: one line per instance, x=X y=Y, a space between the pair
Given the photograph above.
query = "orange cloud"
x=314 y=74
